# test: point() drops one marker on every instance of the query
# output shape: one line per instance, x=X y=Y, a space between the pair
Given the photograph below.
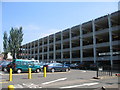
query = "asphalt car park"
x=75 y=78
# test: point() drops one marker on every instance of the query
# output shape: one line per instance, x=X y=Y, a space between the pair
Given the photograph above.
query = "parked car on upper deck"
x=52 y=67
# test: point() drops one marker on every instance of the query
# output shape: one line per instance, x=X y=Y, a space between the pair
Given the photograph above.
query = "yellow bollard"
x=29 y=73
x=10 y=75
x=10 y=87
x=44 y=71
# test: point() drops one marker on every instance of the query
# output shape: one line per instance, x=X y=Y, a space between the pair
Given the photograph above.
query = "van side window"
x=18 y=63
x=29 y=63
x=32 y=63
x=24 y=63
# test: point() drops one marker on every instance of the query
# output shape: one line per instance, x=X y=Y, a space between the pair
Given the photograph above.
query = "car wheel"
x=4 y=69
x=66 y=69
x=52 y=70
x=19 y=71
x=37 y=70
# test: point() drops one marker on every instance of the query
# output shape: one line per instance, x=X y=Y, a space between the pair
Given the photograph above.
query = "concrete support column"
x=34 y=50
x=110 y=39
x=62 y=46
x=70 y=45
x=54 y=48
x=48 y=48
x=30 y=50
x=26 y=51
x=23 y=53
x=94 y=40
x=38 y=48
x=81 y=44
x=42 y=49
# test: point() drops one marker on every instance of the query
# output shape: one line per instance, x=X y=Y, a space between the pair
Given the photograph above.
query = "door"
x=31 y=65
x=24 y=66
x=58 y=67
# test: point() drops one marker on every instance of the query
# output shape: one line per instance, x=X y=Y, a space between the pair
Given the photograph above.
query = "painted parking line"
x=18 y=86
x=1 y=73
x=27 y=85
x=83 y=71
x=3 y=82
x=74 y=86
x=49 y=82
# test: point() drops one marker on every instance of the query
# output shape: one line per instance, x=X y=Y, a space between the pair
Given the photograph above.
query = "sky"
x=40 y=19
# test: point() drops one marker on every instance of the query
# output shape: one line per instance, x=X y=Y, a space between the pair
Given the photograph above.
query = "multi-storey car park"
x=94 y=41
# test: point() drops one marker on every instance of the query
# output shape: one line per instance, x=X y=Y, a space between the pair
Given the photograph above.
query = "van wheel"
x=19 y=71
x=52 y=70
x=37 y=70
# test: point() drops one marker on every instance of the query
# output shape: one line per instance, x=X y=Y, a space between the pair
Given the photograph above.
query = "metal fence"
x=108 y=70
x=104 y=71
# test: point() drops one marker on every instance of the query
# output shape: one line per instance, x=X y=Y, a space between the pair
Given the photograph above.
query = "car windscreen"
x=6 y=63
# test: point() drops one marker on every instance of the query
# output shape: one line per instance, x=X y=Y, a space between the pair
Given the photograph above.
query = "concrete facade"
x=93 y=41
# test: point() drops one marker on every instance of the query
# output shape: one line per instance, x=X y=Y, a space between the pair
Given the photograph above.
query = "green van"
x=21 y=65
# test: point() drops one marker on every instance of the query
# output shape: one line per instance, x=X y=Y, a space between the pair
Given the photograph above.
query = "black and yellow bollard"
x=10 y=87
x=44 y=71
x=10 y=75
x=29 y=73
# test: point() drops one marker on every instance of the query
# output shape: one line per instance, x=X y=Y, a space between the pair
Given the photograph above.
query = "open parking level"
x=60 y=80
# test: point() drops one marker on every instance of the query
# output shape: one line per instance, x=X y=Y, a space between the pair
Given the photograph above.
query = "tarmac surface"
x=61 y=80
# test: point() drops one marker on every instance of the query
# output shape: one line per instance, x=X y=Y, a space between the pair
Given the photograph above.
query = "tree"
x=5 y=44
x=14 y=41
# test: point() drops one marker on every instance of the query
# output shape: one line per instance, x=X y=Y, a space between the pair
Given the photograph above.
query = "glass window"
x=24 y=63
x=59 y=64
x=29 y=63
x=18 y=62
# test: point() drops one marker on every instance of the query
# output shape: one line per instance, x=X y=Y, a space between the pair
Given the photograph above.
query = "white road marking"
x=30 y=85
x=1 y=73
x=86 y=84
x=83 y=71
x=61 y=79
x=18 y=86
